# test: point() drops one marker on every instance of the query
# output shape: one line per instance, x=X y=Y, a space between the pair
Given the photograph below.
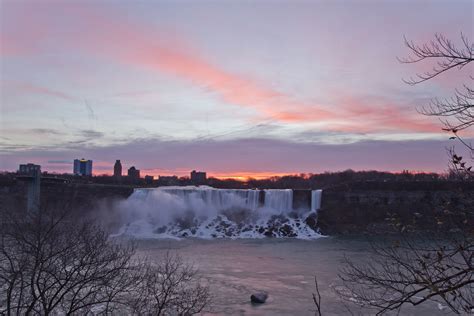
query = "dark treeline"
x=300 y=181
x=325 y=180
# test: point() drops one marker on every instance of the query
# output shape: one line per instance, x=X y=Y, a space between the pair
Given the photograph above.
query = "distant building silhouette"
x=82 y=167
x=29 y=169
x=168 y=180
x=118 y=169
x=148 y=179
x=133 y=173
x=198 y=177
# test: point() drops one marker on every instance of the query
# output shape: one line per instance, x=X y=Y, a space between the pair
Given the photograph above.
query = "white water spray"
x=205 y=212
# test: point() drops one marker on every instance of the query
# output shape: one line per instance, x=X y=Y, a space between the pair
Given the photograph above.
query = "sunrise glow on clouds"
x=235 y=88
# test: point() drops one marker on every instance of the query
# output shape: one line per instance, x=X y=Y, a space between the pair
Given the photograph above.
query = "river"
x=285 y=268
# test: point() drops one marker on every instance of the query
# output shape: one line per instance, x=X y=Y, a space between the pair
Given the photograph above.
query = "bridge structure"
x=33 y=180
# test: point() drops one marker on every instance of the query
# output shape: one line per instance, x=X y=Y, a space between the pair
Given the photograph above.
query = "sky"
x=234 y=88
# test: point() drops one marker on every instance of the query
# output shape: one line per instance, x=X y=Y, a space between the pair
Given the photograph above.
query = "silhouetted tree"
x=169 y=287
x=416 y=270
x=412 y=272
x=457 y=112
x=52 y=263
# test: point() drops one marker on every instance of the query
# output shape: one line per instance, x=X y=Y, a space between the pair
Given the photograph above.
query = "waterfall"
x=218 y=199
x=207 y=212
x=316 y=200
x=279 y=200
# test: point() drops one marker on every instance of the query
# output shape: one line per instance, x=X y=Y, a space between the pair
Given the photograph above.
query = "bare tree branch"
x=52 y=264
x=317 y=298
x=413 y=272
x=441 y=49
x=455 y=113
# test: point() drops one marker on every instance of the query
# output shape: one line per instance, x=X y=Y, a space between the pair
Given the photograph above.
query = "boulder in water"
x=269 y=232
x=287 y=231
x=258 y=298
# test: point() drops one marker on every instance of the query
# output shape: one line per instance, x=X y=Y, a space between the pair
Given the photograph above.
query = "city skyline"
x=117 y=172
x=238 y=89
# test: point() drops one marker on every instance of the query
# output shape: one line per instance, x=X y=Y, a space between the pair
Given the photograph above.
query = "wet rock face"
x=380 y=208
x=269 y=233
x=259 y=298
x=279 y=226
x=312 y=221
x=241 y=224
x=287 y=231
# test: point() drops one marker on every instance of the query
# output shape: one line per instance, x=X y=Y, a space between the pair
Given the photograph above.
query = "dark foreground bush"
x=52 y=264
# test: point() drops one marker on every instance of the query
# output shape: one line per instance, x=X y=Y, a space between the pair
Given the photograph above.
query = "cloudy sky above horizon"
x=236 y=88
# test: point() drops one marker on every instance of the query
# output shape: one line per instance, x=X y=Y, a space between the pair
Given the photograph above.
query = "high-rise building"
x=82 y=167
x=117 y=169
x=133 y=173
x=198 y=177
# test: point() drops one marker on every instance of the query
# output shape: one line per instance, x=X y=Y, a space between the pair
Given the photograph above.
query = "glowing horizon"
x=241 y=176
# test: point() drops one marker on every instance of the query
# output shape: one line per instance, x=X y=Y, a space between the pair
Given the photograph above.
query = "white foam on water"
x=206 y=212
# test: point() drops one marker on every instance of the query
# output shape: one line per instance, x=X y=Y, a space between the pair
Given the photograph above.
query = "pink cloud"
x=376 y=114
x=25 y=88
x=233 y=89
x=154 y=51
x=22 y=29
x=109 y=35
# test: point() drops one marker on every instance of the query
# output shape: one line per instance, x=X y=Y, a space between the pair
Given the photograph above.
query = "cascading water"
x=279 y=200
x=216 y=199
x=316 y=200
x=205 y=212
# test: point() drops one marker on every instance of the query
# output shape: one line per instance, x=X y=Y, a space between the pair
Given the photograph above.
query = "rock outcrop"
x=259 y=298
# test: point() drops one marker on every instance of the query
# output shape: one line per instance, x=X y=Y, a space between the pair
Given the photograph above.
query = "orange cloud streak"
x=157 y=51
x=233 y=89
x=176 y=59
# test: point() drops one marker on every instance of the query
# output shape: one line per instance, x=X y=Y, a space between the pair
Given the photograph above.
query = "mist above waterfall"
x=205 y=212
